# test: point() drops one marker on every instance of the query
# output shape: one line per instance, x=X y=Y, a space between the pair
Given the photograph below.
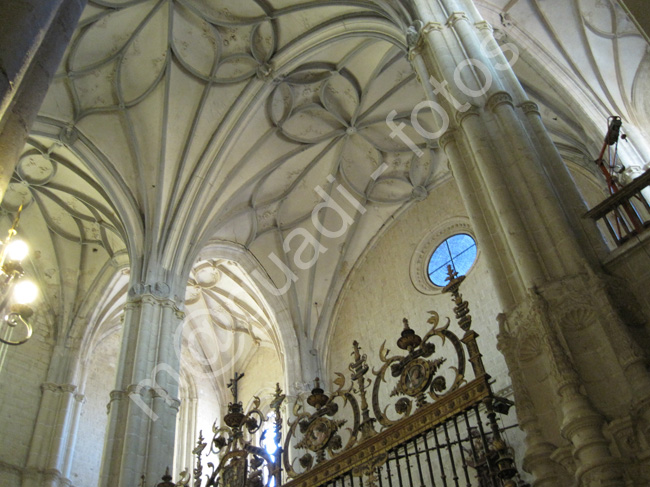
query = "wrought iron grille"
x=440 y=430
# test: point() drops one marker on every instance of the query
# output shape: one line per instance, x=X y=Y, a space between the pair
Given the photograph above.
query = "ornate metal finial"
x=408 y=340
x=166 y=480
x=464 y=320
x=462 y=307
x=318 y=398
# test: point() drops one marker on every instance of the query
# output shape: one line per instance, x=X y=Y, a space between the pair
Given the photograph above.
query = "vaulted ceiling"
x=173 y=124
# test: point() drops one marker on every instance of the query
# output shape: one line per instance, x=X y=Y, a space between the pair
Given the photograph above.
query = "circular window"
x=459 y=251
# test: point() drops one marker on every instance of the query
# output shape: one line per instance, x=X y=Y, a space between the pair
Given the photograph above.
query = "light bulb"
x=16 y=250
x=25 y=292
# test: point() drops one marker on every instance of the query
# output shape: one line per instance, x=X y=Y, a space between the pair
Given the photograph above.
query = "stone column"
x=33 y=37
x=144 y=404
x=187 y=435
x=50 y=452
x=544 y=259
x=538 y=458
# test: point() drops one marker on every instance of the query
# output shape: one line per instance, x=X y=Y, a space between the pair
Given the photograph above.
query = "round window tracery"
x=459 y=251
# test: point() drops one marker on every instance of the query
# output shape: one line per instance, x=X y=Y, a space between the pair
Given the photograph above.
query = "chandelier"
x=16 y=292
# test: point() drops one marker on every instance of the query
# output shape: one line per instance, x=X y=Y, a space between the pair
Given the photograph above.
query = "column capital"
x=529 y=107
x=456 y=17
x=415 y=34
x=431 y=27
x=448 y=137
x=499 y=98
x=158 y=293
x=462 y=115
x=484 y=25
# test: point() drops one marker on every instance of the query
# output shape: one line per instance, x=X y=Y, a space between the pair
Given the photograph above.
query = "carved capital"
x=432 y=27
x=529 y=107
x=158 y=294
x=498 y=99
x=116 y=395
x=415 y=37
x=448 y=137
x=624 y=433
x=456 y=17
x=461 y=116
x=563 y=455
x=484 y=25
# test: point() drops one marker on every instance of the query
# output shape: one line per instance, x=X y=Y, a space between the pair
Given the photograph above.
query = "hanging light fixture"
x=16 y=292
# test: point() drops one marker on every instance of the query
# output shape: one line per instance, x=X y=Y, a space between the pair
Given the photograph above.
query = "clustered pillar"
x=144 y=405
x=543 y=257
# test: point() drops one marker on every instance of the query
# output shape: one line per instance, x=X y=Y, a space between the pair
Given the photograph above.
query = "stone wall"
x=100 y=381
x=22 y=371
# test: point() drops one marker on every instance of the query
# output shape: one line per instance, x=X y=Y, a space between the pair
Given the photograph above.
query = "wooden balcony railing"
x=625 y=213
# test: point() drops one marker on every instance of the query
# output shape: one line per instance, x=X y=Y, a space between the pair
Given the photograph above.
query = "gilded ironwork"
x=340 y=434
x=418 y=371
x=319 y=431
x=429 y=382
x=241 y=462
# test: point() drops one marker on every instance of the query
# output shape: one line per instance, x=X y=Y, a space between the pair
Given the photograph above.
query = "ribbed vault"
x=216 y=121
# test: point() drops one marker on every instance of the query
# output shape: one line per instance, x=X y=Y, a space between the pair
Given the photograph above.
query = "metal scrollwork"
x=241 y=463
x=417 y=372
x=319 y=432
x=432 y=395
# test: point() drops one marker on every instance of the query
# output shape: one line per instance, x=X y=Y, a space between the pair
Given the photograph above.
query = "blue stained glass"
x=459 y=251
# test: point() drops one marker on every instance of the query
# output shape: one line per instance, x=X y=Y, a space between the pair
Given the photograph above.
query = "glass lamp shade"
x=25 y=292
x=16 y=251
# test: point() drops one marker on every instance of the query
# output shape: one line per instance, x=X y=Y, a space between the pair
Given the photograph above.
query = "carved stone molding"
x=563 y=456
x=577 y=320
x=147 y=296
x=151 y=393
x=60 y=388
x=623 y=432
